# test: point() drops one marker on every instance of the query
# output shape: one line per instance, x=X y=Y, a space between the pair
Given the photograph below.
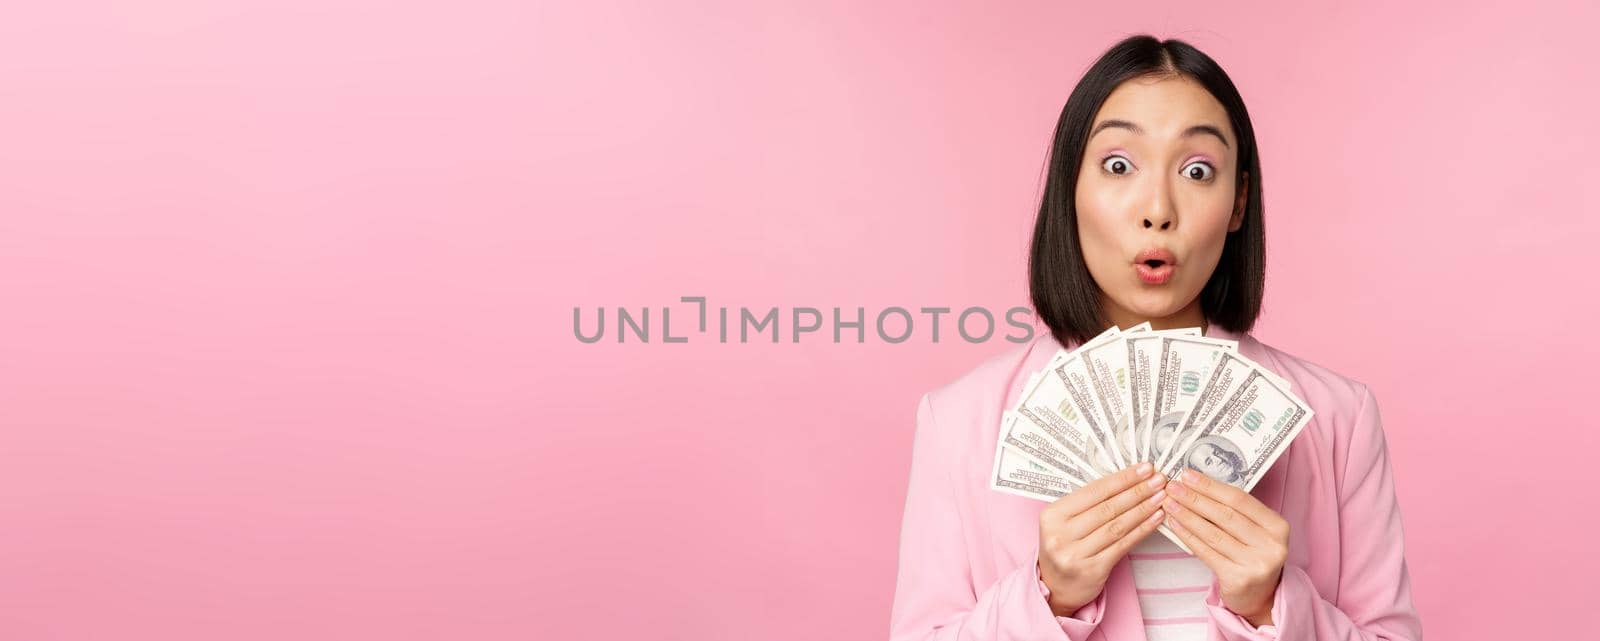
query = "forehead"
x=1164 y=106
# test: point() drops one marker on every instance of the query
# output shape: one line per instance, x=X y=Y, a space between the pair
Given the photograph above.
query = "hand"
x=1084 y=533
x=1243 y=541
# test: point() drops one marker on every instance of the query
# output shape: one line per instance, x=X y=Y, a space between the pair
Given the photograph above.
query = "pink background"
x=286 y=348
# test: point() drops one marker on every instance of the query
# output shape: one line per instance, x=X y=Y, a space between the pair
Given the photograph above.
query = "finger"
x=1119 y=548
x=1081 y=525
x=1223 y=516
x=1230 y=496
x=1209 y=555
x=1100 y=489
x=1207 y=532
x=1126 y=522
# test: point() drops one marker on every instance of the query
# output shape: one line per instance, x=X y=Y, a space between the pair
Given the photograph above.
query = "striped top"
x=1171 y=586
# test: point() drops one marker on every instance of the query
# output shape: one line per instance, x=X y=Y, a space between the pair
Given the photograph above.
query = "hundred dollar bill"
x=1242 y=440
x=1070 y=368
x=1224 y=375
x=1245 y=437
x=1183 y=365
x=1030 y=440
x=1106 y=367
x=1046 y=405
x=1015 y=473
x=1079 y=402
x=1231 y=370
x=1141 y=384
x=1171 y=397
x=1050 y=429
x=1235 y=380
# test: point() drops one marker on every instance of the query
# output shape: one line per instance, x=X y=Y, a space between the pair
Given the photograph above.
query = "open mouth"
x=1155 y=266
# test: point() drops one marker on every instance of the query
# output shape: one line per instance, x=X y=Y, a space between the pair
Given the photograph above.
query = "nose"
x=1162 y=214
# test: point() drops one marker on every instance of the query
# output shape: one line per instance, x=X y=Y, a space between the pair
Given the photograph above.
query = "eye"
x=1117 y=165
x=1198 y=170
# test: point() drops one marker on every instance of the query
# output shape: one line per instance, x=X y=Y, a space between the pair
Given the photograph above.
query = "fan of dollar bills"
x=1171 y=397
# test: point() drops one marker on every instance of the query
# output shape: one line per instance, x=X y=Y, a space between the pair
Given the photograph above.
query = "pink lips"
x=1155 y=266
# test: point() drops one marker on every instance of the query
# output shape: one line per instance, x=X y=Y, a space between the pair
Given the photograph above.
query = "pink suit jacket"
x=967 y=553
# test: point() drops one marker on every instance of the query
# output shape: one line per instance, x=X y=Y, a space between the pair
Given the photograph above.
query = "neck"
x=1189 y=316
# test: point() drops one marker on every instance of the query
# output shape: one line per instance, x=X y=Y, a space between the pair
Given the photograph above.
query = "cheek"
x=1209 y=231
x=1098 y=214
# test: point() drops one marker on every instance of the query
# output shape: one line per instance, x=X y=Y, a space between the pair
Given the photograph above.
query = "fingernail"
x=1156 y=481
x=1176 y=488
x=1157 y=516
x=1190 y=475
x=1172 y=506
x=1158 y=497
x=1144 y=468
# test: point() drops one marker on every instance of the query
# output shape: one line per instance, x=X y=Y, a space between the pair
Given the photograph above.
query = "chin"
x=1154 y=304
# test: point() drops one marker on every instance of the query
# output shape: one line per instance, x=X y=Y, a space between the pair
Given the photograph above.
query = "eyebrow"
x=1195 y=130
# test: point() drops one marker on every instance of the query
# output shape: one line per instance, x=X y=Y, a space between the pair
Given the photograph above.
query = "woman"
x=1152 y=212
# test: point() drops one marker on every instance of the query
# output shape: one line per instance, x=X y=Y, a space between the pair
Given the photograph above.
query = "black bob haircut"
x=1064 y=294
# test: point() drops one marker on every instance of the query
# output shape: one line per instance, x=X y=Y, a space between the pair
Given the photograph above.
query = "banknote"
x=1141 y=383
x=1105 y=367
x=1174 y=398
x=1245 y=434
x=1230 y=370
x=1244 y=438
x=1050 y=428
x=1017 y=474
x=1071 y=367
x=1183 y=366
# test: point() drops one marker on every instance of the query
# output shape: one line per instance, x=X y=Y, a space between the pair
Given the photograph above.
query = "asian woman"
x=1152 y=212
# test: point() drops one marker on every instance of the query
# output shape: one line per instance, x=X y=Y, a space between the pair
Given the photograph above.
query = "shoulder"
x=969 y=405
x=1335 y=389
x=1318 y=384
x=992 y=379
x=1344 y=408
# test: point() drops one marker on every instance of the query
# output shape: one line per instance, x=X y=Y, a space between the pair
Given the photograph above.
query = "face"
x=1156 y=196
x=1205 y=459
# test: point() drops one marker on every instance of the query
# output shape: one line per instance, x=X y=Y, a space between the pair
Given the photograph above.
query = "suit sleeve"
x=934 y=598
x=1373 y=600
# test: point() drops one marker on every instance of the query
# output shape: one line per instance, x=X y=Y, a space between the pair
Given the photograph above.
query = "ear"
x=1237 y=219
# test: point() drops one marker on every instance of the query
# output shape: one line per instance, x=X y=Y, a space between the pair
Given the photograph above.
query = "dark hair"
x=1064 y=294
